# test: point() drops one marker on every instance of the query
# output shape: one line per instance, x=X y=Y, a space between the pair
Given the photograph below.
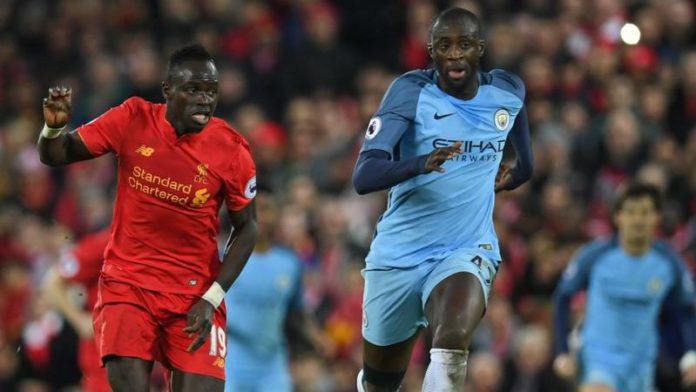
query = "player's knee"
x=123 y=376
x=452 y=337
x=380 y=381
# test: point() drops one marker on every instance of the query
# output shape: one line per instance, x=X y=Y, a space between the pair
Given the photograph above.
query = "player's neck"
x=635 y=247
x=465 y=92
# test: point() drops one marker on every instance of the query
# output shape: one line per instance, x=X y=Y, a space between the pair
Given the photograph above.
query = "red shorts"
x=134 y=322
x=93 y=375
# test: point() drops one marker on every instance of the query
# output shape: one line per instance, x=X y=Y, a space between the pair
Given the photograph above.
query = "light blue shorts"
x=394 y=298
x=635 y=379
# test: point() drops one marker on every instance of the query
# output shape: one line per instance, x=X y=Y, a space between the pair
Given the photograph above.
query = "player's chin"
x=195 y=126
x=456 y=82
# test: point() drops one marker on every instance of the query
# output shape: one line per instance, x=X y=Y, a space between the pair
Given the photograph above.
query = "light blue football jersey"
x=624 y=297
x=258 y=302
x=432 y=215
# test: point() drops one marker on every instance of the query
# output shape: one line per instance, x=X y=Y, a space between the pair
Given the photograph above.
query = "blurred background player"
x=81 y=265
x=266 y=312
x=162 y=279
x=437 y=143
x=628 y=280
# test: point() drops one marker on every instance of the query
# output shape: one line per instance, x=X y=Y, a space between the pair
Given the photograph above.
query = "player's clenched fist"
x=57 y=106
x=438 y=156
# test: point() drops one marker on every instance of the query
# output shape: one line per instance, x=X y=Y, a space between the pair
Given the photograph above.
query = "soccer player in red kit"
x=162 y=281
x=81 y=265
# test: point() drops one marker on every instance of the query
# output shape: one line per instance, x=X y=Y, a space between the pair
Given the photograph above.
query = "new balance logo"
x=145 y=150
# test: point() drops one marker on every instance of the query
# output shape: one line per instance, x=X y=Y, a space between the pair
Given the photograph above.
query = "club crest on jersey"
x=373 y=128
x=501 y=119
x=202 y=173
x=250 y=188
x=654 y=285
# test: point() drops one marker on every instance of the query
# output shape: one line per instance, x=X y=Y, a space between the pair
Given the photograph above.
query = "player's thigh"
x=189 y=382
x=392 y=308
x=208 y=360
x=455 y=294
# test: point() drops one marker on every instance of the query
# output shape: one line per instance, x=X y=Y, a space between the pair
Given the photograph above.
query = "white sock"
x=446 y=372
x=361 y=388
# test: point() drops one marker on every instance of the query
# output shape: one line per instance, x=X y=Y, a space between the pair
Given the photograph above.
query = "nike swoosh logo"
x=438 y=117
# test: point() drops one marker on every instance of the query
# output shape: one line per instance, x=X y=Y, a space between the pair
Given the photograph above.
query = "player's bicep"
x=76 y=150
x=243 y=217
x=384 y=131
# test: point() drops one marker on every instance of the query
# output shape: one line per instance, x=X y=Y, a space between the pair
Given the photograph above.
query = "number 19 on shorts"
x=218 y=342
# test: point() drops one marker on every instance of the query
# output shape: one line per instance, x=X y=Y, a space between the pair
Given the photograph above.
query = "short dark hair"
x=187 y=53
x=638 y=190
x=453 y=13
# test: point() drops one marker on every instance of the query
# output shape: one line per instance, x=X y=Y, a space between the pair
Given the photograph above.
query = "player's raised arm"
x=56 y=147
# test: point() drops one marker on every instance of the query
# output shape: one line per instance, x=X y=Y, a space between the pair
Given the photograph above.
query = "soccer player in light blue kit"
x=628 y=279
x=263 y=305
x=436 y=143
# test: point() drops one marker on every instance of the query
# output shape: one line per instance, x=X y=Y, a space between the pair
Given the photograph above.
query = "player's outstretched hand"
x=438 y=156
x=502 y=178
x=57 y=106
x=200 y=321
x=564 y=365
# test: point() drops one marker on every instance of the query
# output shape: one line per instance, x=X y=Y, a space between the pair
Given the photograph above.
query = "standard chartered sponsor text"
x=158 y=186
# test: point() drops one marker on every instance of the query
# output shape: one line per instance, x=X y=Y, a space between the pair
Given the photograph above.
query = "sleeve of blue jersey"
x=682 y=295
x=296 y=298
x=395 y=114
x=683 y=290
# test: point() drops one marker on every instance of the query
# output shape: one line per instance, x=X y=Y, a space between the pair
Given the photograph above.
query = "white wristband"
x=687 y=361
x=51 y=133
x=215 y=294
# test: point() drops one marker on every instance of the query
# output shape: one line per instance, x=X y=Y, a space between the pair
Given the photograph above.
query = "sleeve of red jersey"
x=82 y=264
x=105 y=133
x=240 y=185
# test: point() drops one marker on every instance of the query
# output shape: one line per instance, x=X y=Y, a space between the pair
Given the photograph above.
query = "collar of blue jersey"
x=454 y=100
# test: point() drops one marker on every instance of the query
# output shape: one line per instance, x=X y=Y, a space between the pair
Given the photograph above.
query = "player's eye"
x=443 y=46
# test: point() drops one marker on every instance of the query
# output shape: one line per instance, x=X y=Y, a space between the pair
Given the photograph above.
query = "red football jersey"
x=170 y=190
x=82 y=264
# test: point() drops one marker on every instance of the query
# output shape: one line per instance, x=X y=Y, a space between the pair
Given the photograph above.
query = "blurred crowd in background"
x=300 y=79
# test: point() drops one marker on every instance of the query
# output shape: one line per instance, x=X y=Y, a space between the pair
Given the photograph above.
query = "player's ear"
x=430 y=50
x=481 y=47
x=166 y=91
